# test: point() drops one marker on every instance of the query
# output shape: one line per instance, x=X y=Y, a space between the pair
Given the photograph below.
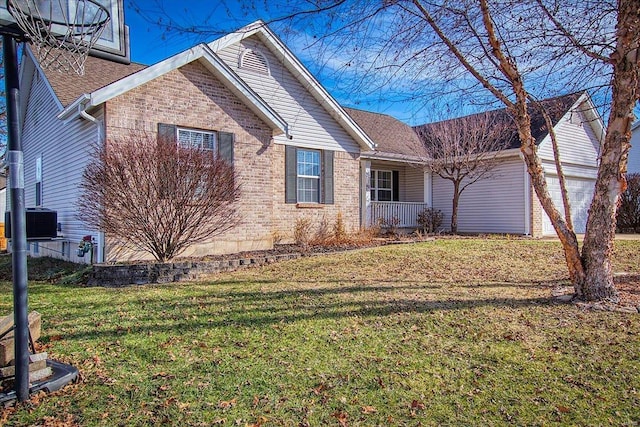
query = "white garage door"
x=580 y=194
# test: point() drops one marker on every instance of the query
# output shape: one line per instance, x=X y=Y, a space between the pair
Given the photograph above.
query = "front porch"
x=406 y=213
x=394 y=192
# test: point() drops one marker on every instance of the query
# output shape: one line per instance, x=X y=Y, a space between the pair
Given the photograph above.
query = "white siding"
x=411 y=187
x=310 y=124
x=633 y=165
x=578 y=144
x=494 y=205
x=64 y=148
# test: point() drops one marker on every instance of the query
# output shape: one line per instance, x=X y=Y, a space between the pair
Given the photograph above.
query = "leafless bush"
x=339 y=231
x=429 y=220
x=302 y=231
x=628 y=220
x=154 y=195
x=390 y=225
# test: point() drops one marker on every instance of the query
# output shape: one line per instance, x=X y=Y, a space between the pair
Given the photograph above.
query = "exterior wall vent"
x=255 y=61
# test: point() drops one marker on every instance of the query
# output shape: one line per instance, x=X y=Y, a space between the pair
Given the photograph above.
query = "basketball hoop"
x=62 y=32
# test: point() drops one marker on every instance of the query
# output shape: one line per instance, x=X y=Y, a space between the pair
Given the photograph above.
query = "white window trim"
x=198 y=131
x=316 y=177
x=375 y=188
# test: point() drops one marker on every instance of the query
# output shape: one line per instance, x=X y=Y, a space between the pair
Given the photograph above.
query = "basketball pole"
x=18 y=219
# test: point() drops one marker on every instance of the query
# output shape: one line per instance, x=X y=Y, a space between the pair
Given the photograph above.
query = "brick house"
x=246 y=90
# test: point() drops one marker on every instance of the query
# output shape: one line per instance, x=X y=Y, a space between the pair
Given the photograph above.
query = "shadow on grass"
x=218 y=308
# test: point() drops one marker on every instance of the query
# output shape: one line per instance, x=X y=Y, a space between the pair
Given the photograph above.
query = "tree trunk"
x=454 y=207
x=601 y=224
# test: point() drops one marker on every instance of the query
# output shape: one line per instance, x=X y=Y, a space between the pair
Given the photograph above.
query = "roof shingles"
x=98 y=73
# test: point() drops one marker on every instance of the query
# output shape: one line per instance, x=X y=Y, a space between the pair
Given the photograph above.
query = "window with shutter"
x=308 y=176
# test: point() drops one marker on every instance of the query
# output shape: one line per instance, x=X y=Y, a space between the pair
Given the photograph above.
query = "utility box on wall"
x=42 y=224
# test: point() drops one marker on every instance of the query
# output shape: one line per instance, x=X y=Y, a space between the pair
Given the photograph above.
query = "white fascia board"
x=214 y=64
x=592 y=114
x=37 y=69
x=394 y=157
x=300 y=72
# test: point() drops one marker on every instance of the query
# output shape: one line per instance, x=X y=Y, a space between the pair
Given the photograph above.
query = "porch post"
x=428 y=198
x=365 y=193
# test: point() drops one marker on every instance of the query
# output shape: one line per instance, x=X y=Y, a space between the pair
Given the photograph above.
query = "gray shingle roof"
x=556 y=108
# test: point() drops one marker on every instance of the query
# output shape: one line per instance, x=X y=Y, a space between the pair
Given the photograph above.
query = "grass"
x=451 y=332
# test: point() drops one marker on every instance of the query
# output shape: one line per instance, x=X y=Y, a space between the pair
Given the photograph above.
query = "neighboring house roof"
x=390 y=135
x=93 y=90
x=297 y=69
x=556 y=107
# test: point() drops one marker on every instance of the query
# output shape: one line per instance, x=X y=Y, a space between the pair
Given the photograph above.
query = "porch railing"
x=406 y=212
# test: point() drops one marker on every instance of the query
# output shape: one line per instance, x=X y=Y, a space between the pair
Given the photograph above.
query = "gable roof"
x=103 y=80
x=390 y=135
x=299 y=71
x=556 y=107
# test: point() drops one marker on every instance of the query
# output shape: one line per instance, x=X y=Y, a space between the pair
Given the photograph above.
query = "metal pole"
x=18 y=219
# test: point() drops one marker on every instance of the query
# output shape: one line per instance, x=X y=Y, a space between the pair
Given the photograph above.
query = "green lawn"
x=451 y=332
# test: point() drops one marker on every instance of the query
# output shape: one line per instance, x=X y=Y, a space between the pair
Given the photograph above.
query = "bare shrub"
x=391 y=225
x=322 y=234
x=628 y=219
x=429 y=220
x=339 y=230
x=151 y=194
x=302 y=231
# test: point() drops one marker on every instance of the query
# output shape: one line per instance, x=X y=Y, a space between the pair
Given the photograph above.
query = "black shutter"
x=327 y=177
x=225 y=146
x=396 y=186
x=167 y=132
x=291 y=174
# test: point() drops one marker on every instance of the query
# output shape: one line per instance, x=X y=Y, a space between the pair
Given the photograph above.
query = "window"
x=308 y=166
x=39 y=181
x=220 y=143
x=308 y=175
x=189 y=138
x=381 y=184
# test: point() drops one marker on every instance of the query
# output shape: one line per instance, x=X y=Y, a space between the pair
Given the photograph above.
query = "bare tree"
x=157 y=196
x=509 y=50
x=465 y=150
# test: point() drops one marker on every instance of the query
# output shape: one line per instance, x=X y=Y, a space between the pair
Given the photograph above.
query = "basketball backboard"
x=114 y=40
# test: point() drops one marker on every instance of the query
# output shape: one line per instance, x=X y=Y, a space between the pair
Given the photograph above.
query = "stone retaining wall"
x=117 y=275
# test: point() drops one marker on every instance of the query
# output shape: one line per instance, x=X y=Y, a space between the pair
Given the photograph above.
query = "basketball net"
x=61 y=32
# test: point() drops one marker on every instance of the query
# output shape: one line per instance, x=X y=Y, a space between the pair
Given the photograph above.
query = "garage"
x=580 y=195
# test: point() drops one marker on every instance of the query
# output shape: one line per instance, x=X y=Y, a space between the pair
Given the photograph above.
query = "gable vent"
x=255 y=61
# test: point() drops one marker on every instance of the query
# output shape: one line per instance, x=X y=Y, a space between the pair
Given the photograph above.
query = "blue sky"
x=150 y=44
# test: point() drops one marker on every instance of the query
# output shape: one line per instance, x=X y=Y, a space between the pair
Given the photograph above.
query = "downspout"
x=100 y=241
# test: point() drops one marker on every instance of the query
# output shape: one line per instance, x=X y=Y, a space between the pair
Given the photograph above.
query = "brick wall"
x=346 y=196
x=192 y=97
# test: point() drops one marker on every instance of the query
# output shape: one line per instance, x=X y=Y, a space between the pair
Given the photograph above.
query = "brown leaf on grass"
x=319 y=388
x=259 y=423
x=163 y=375
x=226 y=404
x=563 y=409
x=341 y=417
x=416 y=404
x=369 y=410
